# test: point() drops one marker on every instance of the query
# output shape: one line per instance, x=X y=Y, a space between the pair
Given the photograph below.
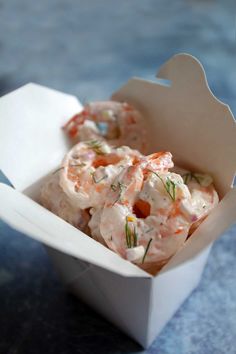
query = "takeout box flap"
x=198 y=129
x=30 y=218
x=186 y=119
x=31 y=141
x=218 y=221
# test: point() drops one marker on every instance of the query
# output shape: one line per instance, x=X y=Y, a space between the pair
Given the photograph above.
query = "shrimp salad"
x=137 y=205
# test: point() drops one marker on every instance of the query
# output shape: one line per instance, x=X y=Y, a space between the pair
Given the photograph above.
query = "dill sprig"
x=57 y=170
x=76 y=165
x=169 y=185
x=189 y=176
x=171 y=188
x=82 y=164
x=146 y=250
x=130 y=235
x=98 y=180
x=113 y=187
x=96 y=146
x=135 y=237
x=120 y=187
x=149 y=230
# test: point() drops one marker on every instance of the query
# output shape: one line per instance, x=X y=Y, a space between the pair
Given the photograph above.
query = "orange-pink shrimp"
x=151 y=212
x=203 y=194
x=118 y=123
x=89 y=169
x=54 y=199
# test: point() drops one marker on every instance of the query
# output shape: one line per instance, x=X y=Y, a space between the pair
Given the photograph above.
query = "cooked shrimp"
x=54 y=199
x=94 y=225
x=151 y=213
x=118 y=123
x=89 y=169
x=203 y=193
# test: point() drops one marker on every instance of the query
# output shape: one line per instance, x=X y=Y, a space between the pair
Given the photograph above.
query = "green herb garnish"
x=98 y=180
x=187 y=177
x=170 y=188
x=113 y=187
x=135 y=237
x=130 y=235
x=146 y=251
x=149 y=230
x=57 y=170
x=82 y=164
x=169 y=185
x=96 y=146
x=76 y=165
x=120 y=187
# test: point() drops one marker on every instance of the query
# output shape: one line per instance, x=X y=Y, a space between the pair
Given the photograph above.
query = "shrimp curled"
x=203 y=194
x=89 y=169
x=118 y=123
x=146 y=203
x=54 y=199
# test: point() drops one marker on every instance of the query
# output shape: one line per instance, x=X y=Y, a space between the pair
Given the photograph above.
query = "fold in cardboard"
x=184 y=118
x=30 y=116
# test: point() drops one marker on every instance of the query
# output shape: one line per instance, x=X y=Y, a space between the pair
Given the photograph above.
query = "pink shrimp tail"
x=159 y=161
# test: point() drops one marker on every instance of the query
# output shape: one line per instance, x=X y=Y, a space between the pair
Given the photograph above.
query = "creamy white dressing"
x=140 y=210
x=87 y=185
x=125 y=125
x=54 y=199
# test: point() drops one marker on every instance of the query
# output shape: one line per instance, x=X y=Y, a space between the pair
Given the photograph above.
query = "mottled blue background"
x=89 y=48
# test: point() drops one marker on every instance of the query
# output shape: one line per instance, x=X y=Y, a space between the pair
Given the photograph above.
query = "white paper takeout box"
x=182 y=117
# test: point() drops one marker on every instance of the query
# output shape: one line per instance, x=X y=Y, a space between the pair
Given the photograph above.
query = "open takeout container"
x=183 y=117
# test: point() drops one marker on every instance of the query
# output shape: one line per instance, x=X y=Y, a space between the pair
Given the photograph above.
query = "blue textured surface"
x=89 y=49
